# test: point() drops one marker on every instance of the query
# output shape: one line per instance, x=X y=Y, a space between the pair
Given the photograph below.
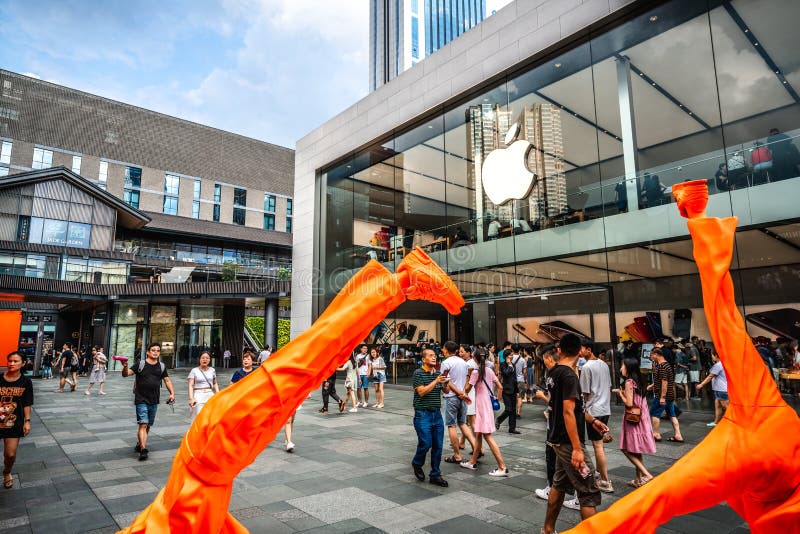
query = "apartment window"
x=288 y=225
x=269 y=203
x=133 y=177
x=195 y=209
x=269 y=221
x=5 y=153
x=76 y=164
x=170 y=205
x=239 y=196
x=196 y=193
x=288 y=207
x=216 y=213
x=239 y=216
x=3 y=171
x=42 y=159
x=131 y=197
x=217 y=192
x=102 y=178
x=171 y=186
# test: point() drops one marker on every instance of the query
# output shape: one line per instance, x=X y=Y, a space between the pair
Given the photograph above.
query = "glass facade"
x=183 y=331
x=595 y=244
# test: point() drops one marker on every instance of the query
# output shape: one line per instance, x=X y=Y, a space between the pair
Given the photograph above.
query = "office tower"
x=542 y=128
x=403 y=32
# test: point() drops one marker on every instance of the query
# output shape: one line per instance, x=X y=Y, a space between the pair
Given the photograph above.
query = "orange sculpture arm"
x=240 y=421
x=750 y=458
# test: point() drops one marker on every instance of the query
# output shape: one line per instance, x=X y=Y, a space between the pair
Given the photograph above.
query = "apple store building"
x=533 y=159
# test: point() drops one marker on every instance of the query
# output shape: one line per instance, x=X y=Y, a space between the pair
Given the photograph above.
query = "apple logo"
x=505 y=170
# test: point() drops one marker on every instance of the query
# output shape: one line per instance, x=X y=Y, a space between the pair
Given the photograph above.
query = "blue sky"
x=269 y=69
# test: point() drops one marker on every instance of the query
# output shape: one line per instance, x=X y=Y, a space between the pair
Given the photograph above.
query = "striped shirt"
x=432 y=402
x=663 y=371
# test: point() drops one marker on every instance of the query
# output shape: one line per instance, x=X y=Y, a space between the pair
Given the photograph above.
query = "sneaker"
x=604 y=486
x=514 y=432
x=376 y=405
x=439 y=481
x=86 y=392
x=289 y=447
x=322 y=410
x=466 y=465
x=101 y=393
x=543 y=493
x=572 y=504
x=137 y=448
x=418 y=472
x=499 y=472
x=712 y=424
x=143 y=455
x=353 y=410
x=380 y=405
x=424 y=280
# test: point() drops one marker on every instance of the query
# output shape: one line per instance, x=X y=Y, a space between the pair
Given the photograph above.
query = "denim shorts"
x=720 y=395
x=146 y=414
x=363 y=382
x=656 y=408
x=380 y=377
x=455 y=411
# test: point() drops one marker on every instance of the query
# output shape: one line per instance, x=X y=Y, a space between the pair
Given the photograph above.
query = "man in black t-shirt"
x=566 y=436
x=147 y=392
x=663 y=387
x=64 y=365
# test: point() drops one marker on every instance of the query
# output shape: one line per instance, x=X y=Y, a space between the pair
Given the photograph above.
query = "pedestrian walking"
x=455 y=399
x=47 y=365
x=64 y=369
x=595 y=380
x=98 y=375
x=378 y=366
x=350 y=381
x=484 y=381
x=719 y=385
x=663 y=387
x=636 y=438
x=329 y=390
x=428 y=424
x=202 y=384
x=247 y=366
x=16 y=400
x=363 y=375
x=149 y=372
x=226 y=359
x=573 y=469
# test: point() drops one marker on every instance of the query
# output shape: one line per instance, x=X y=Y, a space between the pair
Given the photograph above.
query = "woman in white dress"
x=202 y=384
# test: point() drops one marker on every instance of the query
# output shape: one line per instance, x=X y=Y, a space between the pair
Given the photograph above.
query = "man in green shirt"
x=427 y=383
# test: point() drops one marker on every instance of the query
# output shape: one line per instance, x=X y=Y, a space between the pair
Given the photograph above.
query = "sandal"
x=634 y=483
x=672 y=439
x=453 y=460
x=8 y=480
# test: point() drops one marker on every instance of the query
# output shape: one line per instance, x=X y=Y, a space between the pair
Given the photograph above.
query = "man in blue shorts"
x=147 y=392
x=663 y=387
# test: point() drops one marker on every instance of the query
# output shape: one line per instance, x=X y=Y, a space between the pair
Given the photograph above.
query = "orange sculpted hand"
x=750 y=458
x=240 y=421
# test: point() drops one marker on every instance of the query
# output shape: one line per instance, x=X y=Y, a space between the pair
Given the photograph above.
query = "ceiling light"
x=557 y=65
x=746 y=30
x=755 y=44
x=654 y=18
x=430 y=126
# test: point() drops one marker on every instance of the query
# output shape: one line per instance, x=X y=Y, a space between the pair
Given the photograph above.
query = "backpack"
x=141 y=368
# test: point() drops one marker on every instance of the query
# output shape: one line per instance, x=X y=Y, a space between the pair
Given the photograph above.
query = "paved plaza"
x=77 y=471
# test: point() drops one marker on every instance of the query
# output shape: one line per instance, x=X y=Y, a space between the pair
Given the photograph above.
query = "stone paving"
x=77 y=471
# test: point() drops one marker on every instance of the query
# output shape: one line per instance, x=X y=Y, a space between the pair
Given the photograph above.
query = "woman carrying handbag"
x=637 y=436
x=484 y=380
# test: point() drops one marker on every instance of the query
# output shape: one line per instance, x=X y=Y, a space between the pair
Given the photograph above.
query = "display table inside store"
x=406 y=366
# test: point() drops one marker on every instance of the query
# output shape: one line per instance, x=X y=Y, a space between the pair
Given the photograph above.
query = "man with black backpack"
x=147 y=392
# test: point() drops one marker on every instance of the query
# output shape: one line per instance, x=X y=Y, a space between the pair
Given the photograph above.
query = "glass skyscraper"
x=403 y=32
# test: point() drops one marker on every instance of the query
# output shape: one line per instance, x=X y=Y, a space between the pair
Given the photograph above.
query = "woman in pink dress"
x=637 y=438
x=484 y=381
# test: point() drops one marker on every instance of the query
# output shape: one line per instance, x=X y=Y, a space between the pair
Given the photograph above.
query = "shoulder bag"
x=495 y=402
x=633 y=414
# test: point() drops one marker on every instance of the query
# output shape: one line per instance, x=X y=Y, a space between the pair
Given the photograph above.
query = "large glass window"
x=102 y=177
x=42 y=158
x=269 y=203
x=5 y=152
x=170 y=206
x=239 y=216
x=239 y=196
x=547 y=197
